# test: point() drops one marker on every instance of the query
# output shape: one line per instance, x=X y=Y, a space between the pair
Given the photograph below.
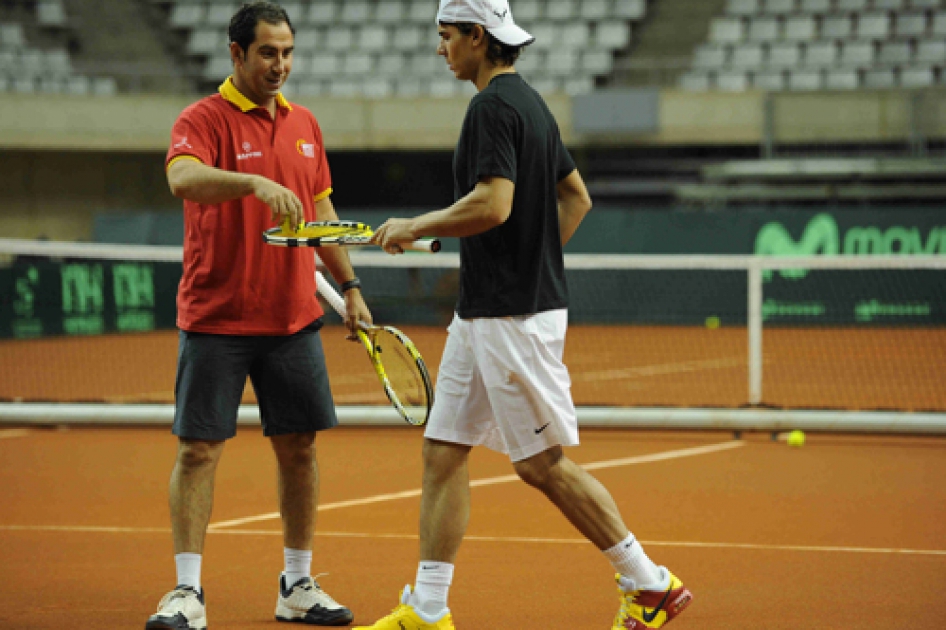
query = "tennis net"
x=86 y=323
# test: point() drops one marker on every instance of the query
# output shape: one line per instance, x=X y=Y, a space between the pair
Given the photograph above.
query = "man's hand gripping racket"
x=400 y=368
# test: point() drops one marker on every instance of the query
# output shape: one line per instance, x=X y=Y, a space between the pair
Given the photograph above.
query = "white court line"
x=490 y=481
x=13 y=433
x=488 y=539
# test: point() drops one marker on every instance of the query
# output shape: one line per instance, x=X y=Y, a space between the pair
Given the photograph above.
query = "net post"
x=754 y=326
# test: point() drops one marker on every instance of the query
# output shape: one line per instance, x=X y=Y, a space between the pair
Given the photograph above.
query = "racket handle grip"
x=330 y=294
x=424 y=245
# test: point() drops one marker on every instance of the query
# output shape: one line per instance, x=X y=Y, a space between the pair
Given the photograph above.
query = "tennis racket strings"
x=407 y=384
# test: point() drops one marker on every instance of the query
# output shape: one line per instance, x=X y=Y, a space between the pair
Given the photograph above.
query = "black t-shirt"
x=515 y=268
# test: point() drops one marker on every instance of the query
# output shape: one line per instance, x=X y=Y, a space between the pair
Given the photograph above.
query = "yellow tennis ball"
x=796 y=438
x=712 y=322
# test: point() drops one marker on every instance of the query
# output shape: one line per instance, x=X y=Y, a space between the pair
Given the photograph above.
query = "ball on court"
x=796 y=438
x=712 y=322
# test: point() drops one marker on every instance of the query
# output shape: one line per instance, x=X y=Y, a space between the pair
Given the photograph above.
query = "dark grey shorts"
x=288 y=374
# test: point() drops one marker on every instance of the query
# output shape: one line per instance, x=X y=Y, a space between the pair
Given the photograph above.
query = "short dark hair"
x=498 y=53
x=243 y=23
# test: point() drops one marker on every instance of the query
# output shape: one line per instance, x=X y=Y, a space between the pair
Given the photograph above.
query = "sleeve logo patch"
x=306 y=149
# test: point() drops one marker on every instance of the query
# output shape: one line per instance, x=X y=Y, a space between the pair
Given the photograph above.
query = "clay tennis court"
x=847 y=532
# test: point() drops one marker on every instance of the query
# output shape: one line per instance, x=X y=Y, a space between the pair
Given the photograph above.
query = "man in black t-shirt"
x=502 y=382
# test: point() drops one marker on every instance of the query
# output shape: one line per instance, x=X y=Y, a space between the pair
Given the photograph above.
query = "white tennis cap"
x=494 y=15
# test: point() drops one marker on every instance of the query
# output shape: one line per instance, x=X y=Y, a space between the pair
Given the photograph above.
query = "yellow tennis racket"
x=335 y=234
x=400 y=368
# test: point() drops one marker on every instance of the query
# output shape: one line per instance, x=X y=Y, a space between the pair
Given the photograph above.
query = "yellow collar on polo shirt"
x=231 y=93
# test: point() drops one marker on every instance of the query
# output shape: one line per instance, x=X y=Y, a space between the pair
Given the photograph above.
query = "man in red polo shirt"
x=243 y=160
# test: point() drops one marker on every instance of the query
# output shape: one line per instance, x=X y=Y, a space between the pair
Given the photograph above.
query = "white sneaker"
x=181 y=609
x=306 y=602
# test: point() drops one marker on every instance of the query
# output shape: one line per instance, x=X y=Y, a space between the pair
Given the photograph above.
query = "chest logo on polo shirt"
x=306 y=149
x=248 y=152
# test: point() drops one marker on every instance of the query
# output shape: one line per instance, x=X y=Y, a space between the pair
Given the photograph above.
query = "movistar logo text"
x=822 y=236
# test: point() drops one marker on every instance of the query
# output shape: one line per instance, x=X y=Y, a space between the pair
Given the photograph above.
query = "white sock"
x=298 y=565
x=188 y=569
x=431 y=588
x=628 y=558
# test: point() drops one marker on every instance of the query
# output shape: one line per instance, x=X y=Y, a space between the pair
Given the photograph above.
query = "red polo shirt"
x=233 y=283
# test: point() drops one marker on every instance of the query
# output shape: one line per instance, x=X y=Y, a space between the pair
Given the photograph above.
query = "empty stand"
x=823 y=44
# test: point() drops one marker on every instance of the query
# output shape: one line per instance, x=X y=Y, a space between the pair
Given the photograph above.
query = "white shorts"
x=502 y=383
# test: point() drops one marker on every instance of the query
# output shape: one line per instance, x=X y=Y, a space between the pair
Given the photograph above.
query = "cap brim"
x=511 y=35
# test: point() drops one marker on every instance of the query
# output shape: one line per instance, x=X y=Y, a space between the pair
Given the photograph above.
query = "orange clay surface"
x=847 y=532
x=876 y=368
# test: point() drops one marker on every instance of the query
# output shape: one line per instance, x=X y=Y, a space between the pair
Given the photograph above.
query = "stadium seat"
x=548 y=85
x=530 y=62
x=917 y=77
x=629 y=9
x=779 y=7
x=357 y=63
x=747 y=56
x=910 y=25
x=345 y=88
x=372 y=37
x=873 y=26
x=612 y=35
x=339 y=38
x=939 y=23
x=218 y=68
x=732 y=81
x=308 y=39
x=546 y=35
x=562 y=62
x=11 y=35
x=769 y=80
x=576 y=35
x=186 y=16
x=837 y=27
x=710 y=57
x=321 y=13
x=815 y=7
x=218 y=15
x=295 y=11
x=561 y=10
x=880 y=78
x=8 y=62
x=695 y=81
x=58 y=63
x=931 y=52
x=527 y=11
x=857 y=53
x=764 y=29
x=23 y=85
x=926 y=4
x=104 y=86
x=325 y=65
x=597 y=62
x=310 y=88
x=591 y=10
x=423 y=64
x=392 y=64
x=853 y=6
x=726 y=30
x=787 y=55
x=800 y=28
x=390 y=12
x=31 y=63
x=819 y=54
x=578 y=85
x=77 y=85
x=409 y=87
x=842 y=79
x=377 y=88
x=406 y=37
x=355 y=12
x=895 y=53
x=51 y=14
x=805 y=80
x=744 y=8
x=890 y=5
x=422 y=12
x=205 y=41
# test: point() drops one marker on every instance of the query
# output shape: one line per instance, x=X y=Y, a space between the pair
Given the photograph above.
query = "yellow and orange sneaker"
x=644 y=609
x=404 y=617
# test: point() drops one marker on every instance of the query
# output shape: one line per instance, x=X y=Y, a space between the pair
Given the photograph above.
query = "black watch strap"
x=348 y=285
